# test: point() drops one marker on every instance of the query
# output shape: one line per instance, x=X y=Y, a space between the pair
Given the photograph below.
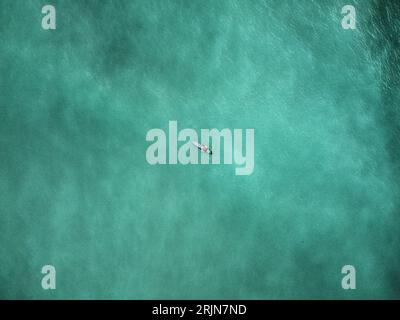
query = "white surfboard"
x=201 y=146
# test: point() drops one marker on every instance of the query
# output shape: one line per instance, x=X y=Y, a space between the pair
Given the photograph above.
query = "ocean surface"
x=76 y=191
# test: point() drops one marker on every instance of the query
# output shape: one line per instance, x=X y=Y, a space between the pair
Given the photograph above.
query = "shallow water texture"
x=76 y=191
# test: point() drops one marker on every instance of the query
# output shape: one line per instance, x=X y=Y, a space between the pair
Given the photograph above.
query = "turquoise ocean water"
x=76 y=191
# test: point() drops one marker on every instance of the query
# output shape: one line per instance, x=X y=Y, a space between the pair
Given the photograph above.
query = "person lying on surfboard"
x=202 y=147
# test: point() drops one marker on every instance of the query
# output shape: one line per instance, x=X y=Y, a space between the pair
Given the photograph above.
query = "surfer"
x=202 y=147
